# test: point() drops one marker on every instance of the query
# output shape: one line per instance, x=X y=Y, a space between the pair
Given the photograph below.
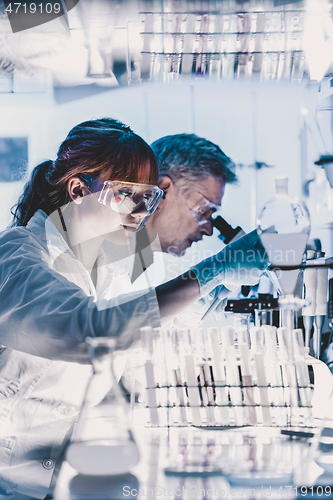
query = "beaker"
x=102 y=441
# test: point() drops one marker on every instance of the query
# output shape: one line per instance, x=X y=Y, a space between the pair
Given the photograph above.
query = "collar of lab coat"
x=112 y=279
x=48 y=230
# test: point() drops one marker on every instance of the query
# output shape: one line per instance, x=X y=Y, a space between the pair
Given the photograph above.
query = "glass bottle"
x=102 y=441
x=284 y=227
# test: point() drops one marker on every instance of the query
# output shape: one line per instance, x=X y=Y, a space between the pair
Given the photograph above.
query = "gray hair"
x=187 y=157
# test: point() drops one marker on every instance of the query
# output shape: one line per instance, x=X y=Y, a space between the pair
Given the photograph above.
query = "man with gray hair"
x=193 y=175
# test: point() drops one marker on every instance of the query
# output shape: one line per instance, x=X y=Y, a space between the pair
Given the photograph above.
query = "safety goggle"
x=124 y=197
x=201 y=208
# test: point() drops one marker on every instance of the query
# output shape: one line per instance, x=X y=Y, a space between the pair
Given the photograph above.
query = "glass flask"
x=102 y=441
x=284 y=227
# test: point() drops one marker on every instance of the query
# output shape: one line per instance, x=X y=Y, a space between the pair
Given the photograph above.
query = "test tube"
x=162 y=380
x=321 y=307
x=289 y=370
x=178 y=377
x=147 y=338
x=202 y=49
x=232 y=373
x=217 y=358
x=146 y=49
x=215 y=58
x=309 y=312
x=263 y=317
x=258 y=42
x=273 y=373
x=246 y=375
x=257 y=347
x=207 y=392
x=189 y=37
x=302 y=375
x=168 y=375
x=192 y=383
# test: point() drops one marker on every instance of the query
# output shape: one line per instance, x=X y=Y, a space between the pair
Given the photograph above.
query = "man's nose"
x=207 y=228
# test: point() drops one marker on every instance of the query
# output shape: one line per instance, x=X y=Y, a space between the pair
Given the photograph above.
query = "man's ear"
x=76 y=190
x=166 y=184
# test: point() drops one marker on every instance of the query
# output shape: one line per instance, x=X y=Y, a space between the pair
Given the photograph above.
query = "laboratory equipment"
x=193 y=452
x=276 y=372
x=147 y=339
x=222 y=41
x=309 y=289
x=228 y=234
x=232 y=374
x=231 y=377
x=102 y=442
x=330 y=308
x=260 y=458
x=263 y=317
x=249 y=400
x=315 y=290
x=302 y=374
x=205 y=377
x=192 y=383
x=257 y=344
x=284 y=227
x=217 y=359
x=242 y=262
x=321 y=304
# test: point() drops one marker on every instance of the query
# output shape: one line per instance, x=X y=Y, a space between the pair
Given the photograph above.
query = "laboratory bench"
x=249 y=462
x=252 y=462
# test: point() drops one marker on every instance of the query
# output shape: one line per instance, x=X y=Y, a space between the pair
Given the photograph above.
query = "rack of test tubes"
x=222 y=40
x=222 y=377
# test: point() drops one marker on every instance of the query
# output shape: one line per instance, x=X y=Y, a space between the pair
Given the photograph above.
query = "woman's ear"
x=76 y=190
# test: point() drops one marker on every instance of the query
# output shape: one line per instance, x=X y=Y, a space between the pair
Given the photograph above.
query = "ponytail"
x=34 y=196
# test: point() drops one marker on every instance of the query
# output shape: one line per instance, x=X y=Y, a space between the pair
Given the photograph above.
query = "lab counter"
x=252 y=462
x=245 y=463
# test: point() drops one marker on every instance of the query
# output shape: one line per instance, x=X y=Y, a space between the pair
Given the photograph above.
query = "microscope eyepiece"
x=228 y=233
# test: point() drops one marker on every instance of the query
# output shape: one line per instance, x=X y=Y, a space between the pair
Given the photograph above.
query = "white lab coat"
x=48 y=306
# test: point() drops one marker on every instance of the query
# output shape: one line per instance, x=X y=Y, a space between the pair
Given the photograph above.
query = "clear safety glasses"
x=124 y=197
x=201 y=208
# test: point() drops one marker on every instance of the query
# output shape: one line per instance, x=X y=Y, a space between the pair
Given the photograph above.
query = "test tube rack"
x=219 y=42
x=229 y=384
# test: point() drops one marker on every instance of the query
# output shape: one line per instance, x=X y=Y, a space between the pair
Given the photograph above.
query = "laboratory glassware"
x=260 y=458
x=193 y=452
x=263 y=317
x=102 y=442
x=284 y=227
x=315 y=281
